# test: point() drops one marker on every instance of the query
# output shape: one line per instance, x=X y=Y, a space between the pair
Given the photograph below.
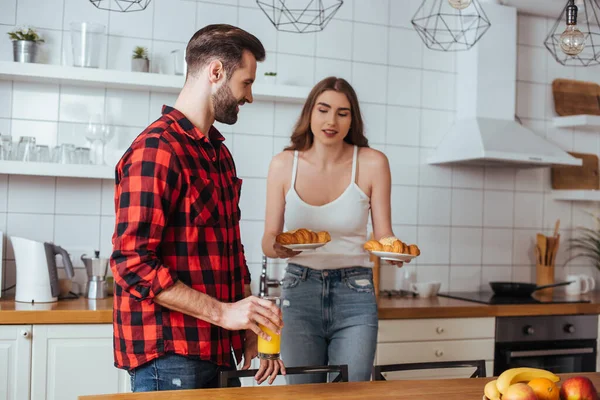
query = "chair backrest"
x=479 y=366
x=342 y=371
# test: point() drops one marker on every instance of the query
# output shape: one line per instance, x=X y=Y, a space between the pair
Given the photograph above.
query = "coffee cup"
x=580 y=284
x=426 y=289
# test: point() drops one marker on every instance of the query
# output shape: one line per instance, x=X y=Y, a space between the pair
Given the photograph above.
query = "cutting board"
x=577 y=177
x=572 y=97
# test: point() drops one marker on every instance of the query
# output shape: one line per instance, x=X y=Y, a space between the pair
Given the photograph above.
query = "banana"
x=491 y=391
x=522 y=374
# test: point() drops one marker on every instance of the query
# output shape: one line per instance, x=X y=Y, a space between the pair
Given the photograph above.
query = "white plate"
x=387 y=255
x=304 y=246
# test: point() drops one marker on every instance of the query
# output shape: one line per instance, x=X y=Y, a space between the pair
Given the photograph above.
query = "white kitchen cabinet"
x=15 y=361
x=431 y=340
x=73 y=360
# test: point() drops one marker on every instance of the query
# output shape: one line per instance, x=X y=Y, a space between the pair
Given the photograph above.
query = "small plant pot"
x=270 y=79
x=25 y=51
x=140 y=65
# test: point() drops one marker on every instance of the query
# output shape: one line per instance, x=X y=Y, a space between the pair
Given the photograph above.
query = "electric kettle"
x=37 y=274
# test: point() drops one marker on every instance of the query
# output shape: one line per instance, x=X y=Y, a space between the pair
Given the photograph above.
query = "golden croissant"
x=392 y=244
x=303 y=236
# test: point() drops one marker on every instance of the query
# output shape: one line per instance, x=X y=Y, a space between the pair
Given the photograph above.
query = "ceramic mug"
x=426 y=289
x=580 y=284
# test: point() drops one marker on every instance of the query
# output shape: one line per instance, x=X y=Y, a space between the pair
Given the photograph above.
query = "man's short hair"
x=222 y=42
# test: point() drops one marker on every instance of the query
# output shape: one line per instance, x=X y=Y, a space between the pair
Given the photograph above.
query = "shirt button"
x=325 y=273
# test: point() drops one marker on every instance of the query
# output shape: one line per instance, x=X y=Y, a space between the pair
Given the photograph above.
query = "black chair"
x=342 y=371
x=479 y=366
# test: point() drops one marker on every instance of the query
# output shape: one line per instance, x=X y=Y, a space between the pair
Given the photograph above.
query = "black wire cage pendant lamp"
x=574 y=39
x=299 y=16
x=450 y=25
x=121 y=5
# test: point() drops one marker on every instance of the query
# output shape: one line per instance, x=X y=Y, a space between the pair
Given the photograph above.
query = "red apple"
x=519 y=391
x=578 y=388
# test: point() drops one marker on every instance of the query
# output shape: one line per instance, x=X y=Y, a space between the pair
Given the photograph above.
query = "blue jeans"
x=177 y=372
x=331 y=320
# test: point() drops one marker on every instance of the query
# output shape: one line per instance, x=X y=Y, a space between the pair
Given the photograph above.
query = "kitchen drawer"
x=403 y=330
x=450 y=350
x=437 y=373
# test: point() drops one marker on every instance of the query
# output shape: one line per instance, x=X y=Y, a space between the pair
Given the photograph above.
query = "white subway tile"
x=497 y=246
x=404 y=203
x=404 y=164
x=79 y=11
x=434 y=243
x=9 y=12
x=6 y=46
x=334 y=41
x=372 y=11
x=434 y=206
x=433 y=175
x=523 y=246
x=246 y=149
x=529 y=100
x=38 y=227
x=404 y=87
x=295 y=70
x=499 y=178
x=403 y=126
x=529 y=209
x=556 y=70
x=35 y=101
x=372 y=89
x=184 y=12
x=466 y=246
x=532 y=30
x=78 y=196
x=325 y=68
x=434 y=125
x=252 y=232
x=44 y=132
x=256 y=119
x=467 y=207
x=210 y=13
x=80 y=103
x=31 y=194
x=498 y=209
x=157 y=101
x=405 y=48
x=532 y=64
x=253 y=200
x=465 y=278
x=434 y=273
x=438 y=90
x=108 y=198
x=467 y=177
x=286 y=115
x=120 y=50
x=107 y=228
x=279 y=143
x=496 y=273
x=78 y=235
x=374 y=118
x=346 y=11
x=523 y=273
x=401 y=12
x=127 y=107
x=370 y=43
x=132 y=25
x=294 y=43
x=406 y=233
x=438 y=60
x=162 y=60
x=49 y=52
x=257 y=23
x=5 y=128
x=40 y=14
x=6 y=92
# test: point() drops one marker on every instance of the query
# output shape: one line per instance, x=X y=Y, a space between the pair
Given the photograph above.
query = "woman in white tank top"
x=329 y=180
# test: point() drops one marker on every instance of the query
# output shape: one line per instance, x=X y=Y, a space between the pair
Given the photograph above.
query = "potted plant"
x=25 y=44
x=587 y=244
x=140 y=62
x=270 y=77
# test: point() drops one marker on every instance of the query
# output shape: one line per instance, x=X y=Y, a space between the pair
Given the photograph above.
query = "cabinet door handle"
x=439 y=330
x=25 y=333
x=439 y=353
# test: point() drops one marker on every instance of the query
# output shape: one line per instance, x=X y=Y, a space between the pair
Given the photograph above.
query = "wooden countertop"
x=447 y=389
x=84 y=311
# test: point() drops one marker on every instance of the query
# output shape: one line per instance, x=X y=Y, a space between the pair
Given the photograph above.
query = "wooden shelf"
x=52 y=169
x=576 y=195
x=582 y=122
x=114 y=79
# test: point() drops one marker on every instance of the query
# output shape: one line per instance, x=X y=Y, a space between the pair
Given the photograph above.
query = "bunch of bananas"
x=494 y=390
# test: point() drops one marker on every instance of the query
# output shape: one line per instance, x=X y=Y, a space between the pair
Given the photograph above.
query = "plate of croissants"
x=392 y=249
x=303 y=239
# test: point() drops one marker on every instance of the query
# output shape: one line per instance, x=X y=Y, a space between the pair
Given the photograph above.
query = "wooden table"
x=446 y=389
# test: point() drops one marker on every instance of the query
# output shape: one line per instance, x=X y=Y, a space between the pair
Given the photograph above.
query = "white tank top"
x=345 y=218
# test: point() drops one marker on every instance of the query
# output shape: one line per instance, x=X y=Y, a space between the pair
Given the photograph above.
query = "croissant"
x=398 y=246
x=388 y=240
x=302 y=236
x=373 y=245
x=323 y=237
x=392 y=244
x=413 y=250
x=285 y=238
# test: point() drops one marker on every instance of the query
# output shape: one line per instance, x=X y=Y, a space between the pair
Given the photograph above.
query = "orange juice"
x=269 y=350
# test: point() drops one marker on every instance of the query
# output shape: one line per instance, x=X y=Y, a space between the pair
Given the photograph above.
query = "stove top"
x=490 y=298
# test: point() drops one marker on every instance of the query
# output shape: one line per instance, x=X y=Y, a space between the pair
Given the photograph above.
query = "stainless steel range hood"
x=486 y=132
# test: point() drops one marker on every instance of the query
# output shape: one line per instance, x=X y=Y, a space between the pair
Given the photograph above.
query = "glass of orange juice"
x=269 y=350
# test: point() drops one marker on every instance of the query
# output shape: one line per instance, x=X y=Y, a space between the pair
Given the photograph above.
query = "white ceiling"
x=546 y=8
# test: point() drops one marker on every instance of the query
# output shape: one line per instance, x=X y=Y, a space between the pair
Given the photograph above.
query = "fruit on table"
x=491 y=391
x=578 y=388
x=544 y=389
x=519 y=391
x=522 y=374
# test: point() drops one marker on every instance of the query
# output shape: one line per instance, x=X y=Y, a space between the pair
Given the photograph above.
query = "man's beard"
x=225 y=105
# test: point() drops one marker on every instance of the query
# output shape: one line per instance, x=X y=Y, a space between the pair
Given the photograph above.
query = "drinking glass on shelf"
x=5 y=147
x=64 y=154
x=42 y=153
x=98 y=133
x=26 y=149
x=82 y=155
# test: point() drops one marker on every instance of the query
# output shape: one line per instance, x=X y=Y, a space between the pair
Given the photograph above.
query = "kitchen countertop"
x=447 y=389
x=84 y=311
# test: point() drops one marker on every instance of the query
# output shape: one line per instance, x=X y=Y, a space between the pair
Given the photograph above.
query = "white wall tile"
x=161 y=59
x=78 y=196
x=404 y=48
x=523 y=246
x=35 y=101
x=212 y=13
x=433 y=175
x=498 y=209
x=45 y=14
x=434 y=243
x=438 y=60
x=108 y=198
x=120 y=50
x=499 y=178
x=434 y=273
x=438 y=90
x=530 y=179
x=466 y=246
x=467 y=177
x=252 y=232
x=38 y=227
x=254 y=194
x=79 y=11
x=5 y=127
x=498 y=246
x=532 y=30
x=404 y=203
x=496 y=273
x=404 y=164
x=532 y=64
x=79 y=104
x=294 y=43
x=467 y=207
x=44 y=132
x=434 y=206
x=373 y=11
x=31 y=194
x=78 y=235
x=373 y=89
x=247 y=147
x=127 y=107
x=6 y=46
x=327 y=67
x=157 y=101
x=333 y=42
x=137 y=24
x=184 y=12
x=279 y=144
x=404 y=87
x=50 y=51
x=107 y=228
x=6 y=99
x=556 y=70
x=403 y=126
x=256 y=118
x=370 y=43
x=3 y=193
x=286 y=115
x=434 y=125
x=529 y=208
x=462 y=278
x=257 y=23
x=374 y=119
x=529 y=104
x=295 y=70
x=401 y=12
x=9 y=12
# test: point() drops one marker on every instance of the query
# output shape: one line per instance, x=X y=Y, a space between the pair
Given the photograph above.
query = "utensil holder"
x=544 y=275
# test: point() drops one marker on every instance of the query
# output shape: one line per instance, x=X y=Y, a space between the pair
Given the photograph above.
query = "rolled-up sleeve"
x=147 y=186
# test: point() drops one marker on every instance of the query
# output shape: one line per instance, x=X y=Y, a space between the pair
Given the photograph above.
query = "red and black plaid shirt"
x=177 y=218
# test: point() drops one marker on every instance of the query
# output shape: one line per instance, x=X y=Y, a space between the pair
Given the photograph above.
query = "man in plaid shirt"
x=182 y=300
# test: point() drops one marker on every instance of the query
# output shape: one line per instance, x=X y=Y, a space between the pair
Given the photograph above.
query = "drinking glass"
x=271 y=350
x=87 y=39
x=42 y=153
x=5 y=147
x=26 y=149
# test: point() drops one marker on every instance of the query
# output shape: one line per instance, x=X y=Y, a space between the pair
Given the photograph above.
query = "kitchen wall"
x=472 y=224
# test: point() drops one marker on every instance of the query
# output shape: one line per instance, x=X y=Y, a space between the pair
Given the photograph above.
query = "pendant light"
x=450 y=25
x=121 y=5
x=299 y=16
x=574 y=39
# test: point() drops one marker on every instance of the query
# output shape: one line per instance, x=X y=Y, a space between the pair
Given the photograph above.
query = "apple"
x=519 y=391
x=578 y=388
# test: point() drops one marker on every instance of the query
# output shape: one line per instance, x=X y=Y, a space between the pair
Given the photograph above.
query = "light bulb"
x=572 y=41
x=460 y=4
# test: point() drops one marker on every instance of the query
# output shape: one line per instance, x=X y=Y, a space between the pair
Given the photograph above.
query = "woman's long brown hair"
x=302 y=137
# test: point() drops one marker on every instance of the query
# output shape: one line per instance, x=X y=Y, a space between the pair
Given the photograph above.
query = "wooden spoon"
x=542 y=244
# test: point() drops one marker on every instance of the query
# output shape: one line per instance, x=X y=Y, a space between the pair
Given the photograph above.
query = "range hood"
x=485 y=132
